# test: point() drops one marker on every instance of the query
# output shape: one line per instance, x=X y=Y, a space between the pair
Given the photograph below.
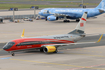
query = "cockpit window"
x=9 y=45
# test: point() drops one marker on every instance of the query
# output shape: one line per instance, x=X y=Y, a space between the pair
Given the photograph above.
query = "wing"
x=58 y=45
x=63 y=41
x=53 y=47
x=101 y=10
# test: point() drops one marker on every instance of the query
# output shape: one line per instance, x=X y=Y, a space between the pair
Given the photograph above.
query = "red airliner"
x=49 y=44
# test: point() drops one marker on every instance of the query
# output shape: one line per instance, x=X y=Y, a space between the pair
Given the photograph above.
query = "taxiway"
x=73 y=57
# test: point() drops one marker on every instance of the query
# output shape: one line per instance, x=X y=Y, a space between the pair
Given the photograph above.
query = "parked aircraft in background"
x=53 y=14
x=49 y=44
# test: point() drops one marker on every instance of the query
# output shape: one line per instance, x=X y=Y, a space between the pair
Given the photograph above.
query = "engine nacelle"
x=49 y=49
x=52 y=18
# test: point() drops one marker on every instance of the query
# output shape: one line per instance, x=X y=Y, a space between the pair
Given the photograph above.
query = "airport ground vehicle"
x=27 y=19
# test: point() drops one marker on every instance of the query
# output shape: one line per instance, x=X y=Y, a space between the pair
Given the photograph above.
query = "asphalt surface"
x=76 y=57
x=73 y=57
x=50 y=2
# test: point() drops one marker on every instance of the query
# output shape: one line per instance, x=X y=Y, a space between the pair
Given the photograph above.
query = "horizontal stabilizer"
x=101 y=10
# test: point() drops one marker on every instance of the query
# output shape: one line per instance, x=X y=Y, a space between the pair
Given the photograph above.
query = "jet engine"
x=49 y=49
x=52 y=18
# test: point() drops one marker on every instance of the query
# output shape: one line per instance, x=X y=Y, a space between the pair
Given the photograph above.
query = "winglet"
x=23 y=33
x=100 y=38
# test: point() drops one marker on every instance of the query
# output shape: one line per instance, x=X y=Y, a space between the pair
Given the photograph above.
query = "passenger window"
x=28 y=43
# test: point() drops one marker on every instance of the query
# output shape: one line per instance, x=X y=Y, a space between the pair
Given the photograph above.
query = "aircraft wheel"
x=13 y=54
x=66 y=21
x=77 y=20
x=46 y=19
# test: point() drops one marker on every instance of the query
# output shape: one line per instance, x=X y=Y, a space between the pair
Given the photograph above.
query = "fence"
x=17 y=16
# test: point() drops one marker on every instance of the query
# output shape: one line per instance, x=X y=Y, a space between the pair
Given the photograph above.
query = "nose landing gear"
x=12 y=53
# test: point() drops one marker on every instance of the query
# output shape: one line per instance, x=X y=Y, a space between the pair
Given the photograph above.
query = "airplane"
x=52 y=14
x=49 y=44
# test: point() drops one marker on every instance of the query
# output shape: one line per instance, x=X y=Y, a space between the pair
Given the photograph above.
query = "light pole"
x=13 y=15
x=34 y=13
x=13 y=9
x=34 y=7
x=82 y=3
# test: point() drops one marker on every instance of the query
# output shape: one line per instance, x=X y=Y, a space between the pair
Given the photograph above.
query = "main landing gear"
x=45 y=18
x=77 y=20
x=66 y=21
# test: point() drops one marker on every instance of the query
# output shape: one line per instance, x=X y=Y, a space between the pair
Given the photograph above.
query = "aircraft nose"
x=4 y=48
x=8 y=45
x=40 y=13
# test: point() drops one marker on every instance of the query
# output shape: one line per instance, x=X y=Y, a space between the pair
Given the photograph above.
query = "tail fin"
x=82 y=22
x=80 y=28
x=101 y=5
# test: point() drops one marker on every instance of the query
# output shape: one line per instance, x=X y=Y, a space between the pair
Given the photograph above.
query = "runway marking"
x=91 y=51
x=56 y=64
x=87 y=66
x=6 y=58
x=83 y=50
x=1 y=49
x=85 y=54
x=3 y=42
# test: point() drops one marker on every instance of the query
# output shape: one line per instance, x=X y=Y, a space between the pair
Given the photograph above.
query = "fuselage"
x=72 y=13
x=48 y=44
x=38 y=42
